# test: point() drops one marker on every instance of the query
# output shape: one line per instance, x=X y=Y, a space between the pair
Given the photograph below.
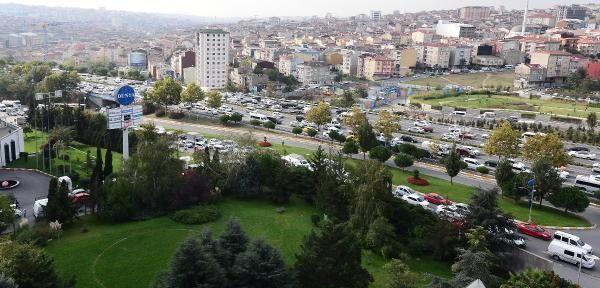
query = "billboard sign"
x=125 y=95
x=124 y=117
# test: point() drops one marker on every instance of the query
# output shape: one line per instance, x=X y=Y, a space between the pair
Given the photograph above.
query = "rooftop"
x=213 y=31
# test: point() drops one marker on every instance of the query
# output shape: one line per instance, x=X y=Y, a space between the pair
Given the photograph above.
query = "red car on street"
x=436 y=199
x=534 y=230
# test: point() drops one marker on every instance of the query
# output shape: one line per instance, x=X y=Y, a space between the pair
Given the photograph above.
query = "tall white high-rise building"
x=212 y=57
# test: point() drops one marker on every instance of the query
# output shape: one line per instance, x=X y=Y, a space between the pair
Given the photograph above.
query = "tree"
x=400 y=275
x=547 y=180
x=192 y=93
x=165 y=92
x=532 y=278
x=403 y=160
x=504 y=141
x=7 y=282
x=60 y=206
x=548 y=146
x=224 y=119
x=504 y=175
x=7 y=214
x=320 y=114
x=269 y=125
x=350 y=147
x=97 y=177
x=570 y=198
x=366 y=138
x=356 y=119
x=453 y=163
x=380 y=153
x=387 y=124
x=592 y=120
x=28 y=265
x=233 y=241
x=297 y=130
x=192 y=266
x=484 y=211
x=108 y=163
x=261 y=267
x=475 y=262
x=318 y=263
x=213 y=99
x=236 y=117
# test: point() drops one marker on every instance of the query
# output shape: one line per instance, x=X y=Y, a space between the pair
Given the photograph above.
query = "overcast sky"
x=262 y=8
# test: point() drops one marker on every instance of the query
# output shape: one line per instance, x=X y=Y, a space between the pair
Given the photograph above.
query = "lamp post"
x=48 y=97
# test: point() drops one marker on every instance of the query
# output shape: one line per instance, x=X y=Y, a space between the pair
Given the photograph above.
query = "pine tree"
x=191 y=267
x=233 y=242
x=108 y=167
x=261 y=267
x=60 y=206
x=52 y=195
x=331 y=259
x=367 y=139
x=453 y=163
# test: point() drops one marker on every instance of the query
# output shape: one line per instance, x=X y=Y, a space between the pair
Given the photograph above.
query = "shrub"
x=483 y=170
x=422 y=153
x=403 y=160
x=254 y=122
x=196 y=215
x=419 y=182
x=408 y=149
x=24 y=156
x=265 y=144
x=380 y=153
x=311 y=132
x=416 y=174
x=74 y=176
x=224 y=119
x=159 y=113
x=297 y=130
x=148 y=108
x=269 y=125
x=175 y=114
x=315 y=219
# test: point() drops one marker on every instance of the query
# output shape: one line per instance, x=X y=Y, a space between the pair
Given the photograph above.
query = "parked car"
x=408 y=139
x=491 y=163
x=582 y=155
x=534 y=230
x=416 y=130
x=508 y=236
x=402 y=190
x=596 y=168
x=448 y=211
x=416 y=199
x=436 y=199
x=472 y=163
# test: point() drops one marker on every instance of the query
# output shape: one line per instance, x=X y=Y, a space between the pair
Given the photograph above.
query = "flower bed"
x=419 y=182
x=265 y=144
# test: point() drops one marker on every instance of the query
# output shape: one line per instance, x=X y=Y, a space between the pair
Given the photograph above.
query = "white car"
x=582 y=155
x=472 y=164
x=422 y=123
x=416 y=199
x=416 y=130
x=596 y=168
x=472 y=150
x=564 y=175
x=401 y=191
x=450 y=137
x=448 y=211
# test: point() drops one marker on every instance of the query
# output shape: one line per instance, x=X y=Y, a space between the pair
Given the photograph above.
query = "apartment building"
x=349 y=61
x=474 y=12
x=420 y=37
x=212 y=58
x=405 y=60
x=437 y=56
x=287 y=64
x=454 y=30
x=314 y=73
x=589 y=46
x=378 y=67
x=488 y=60
x=529 y=76
x=11 y=142
x=460 y=56
x=556 y=63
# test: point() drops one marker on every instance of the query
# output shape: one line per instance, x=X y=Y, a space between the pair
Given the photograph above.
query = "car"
x=534 y=230
x=575 y=255
x=416 y=129
x=507 y=236
x=596 y=167
x=408 y=139
x=422 y=123
x=447 y=211
x=417 y=200
x=582 y=155
x=450 y=137
x=436 y=199
x=402 y=190
x=579 y=149
x=491 y=163
x=564 y=175
x=472 y=164
x=485 y=136
x=462 y=208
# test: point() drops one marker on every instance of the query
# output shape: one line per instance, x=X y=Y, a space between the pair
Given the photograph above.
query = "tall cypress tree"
x=108 y=167
x=331 y=259
x=261 y=267
x=60 y=206
x=233 y=241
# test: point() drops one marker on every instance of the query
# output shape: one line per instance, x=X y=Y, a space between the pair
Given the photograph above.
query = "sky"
x=265 y=8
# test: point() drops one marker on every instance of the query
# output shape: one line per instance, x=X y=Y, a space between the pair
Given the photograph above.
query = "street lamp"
x=48 y=96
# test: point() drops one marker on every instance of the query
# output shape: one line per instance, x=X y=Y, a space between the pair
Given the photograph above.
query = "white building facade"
x=11 y=142
x=212 y=58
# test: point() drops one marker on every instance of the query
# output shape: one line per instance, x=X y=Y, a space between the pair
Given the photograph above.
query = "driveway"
x=33 y=186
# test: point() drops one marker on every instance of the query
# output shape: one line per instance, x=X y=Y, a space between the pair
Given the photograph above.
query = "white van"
x=259 y=117
x=568 y=253
x=38 y=207
x=472 y=164
x=487 y=115
x=573 y=241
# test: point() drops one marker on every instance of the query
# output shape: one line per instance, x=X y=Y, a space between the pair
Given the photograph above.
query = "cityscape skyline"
x=270 y=8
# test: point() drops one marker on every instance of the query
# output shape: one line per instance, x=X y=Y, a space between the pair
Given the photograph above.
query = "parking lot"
x=33 y=186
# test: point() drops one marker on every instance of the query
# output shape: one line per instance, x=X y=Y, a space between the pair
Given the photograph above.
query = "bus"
x=588 y=184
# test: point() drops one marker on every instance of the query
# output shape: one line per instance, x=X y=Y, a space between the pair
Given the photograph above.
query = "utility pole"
x=525 y=18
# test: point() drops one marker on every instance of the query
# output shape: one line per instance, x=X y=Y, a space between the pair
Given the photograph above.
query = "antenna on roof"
x=525 y=19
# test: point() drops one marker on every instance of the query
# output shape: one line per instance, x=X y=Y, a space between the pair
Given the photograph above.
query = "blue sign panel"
x=125 y=95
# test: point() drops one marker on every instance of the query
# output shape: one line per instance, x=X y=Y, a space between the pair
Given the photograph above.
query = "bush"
x=311 y=132
x=297 y=130
x=315 y=219
x=483 y=170
x=403 y=160
x=419 y=182
x=224 y=119
x=24 y=156
x=265 y=144
x=422 y=153
x=74 y=176
x=159 y=113
x=269 y=125
x=148 y=108
x=176 y=115
x=197 y=215
x=380 y=153
x=408 y=149
x=39 y=234
x=254 y=122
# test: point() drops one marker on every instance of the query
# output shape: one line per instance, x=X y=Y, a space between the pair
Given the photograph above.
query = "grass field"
x=475 y=80
x=77 y=152
x=557 y=107
x=130 y=254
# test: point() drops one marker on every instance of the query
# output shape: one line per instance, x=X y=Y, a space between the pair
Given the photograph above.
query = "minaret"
x=525 y=19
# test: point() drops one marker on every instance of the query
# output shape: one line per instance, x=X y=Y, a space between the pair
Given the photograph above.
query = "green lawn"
x=130 y=254
x=77 y=152
x=475 y=80
x=557 y=107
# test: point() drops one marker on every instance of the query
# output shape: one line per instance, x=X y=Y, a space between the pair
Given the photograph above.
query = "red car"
x=534 y=230
x=436 y=199
x=428 y=129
